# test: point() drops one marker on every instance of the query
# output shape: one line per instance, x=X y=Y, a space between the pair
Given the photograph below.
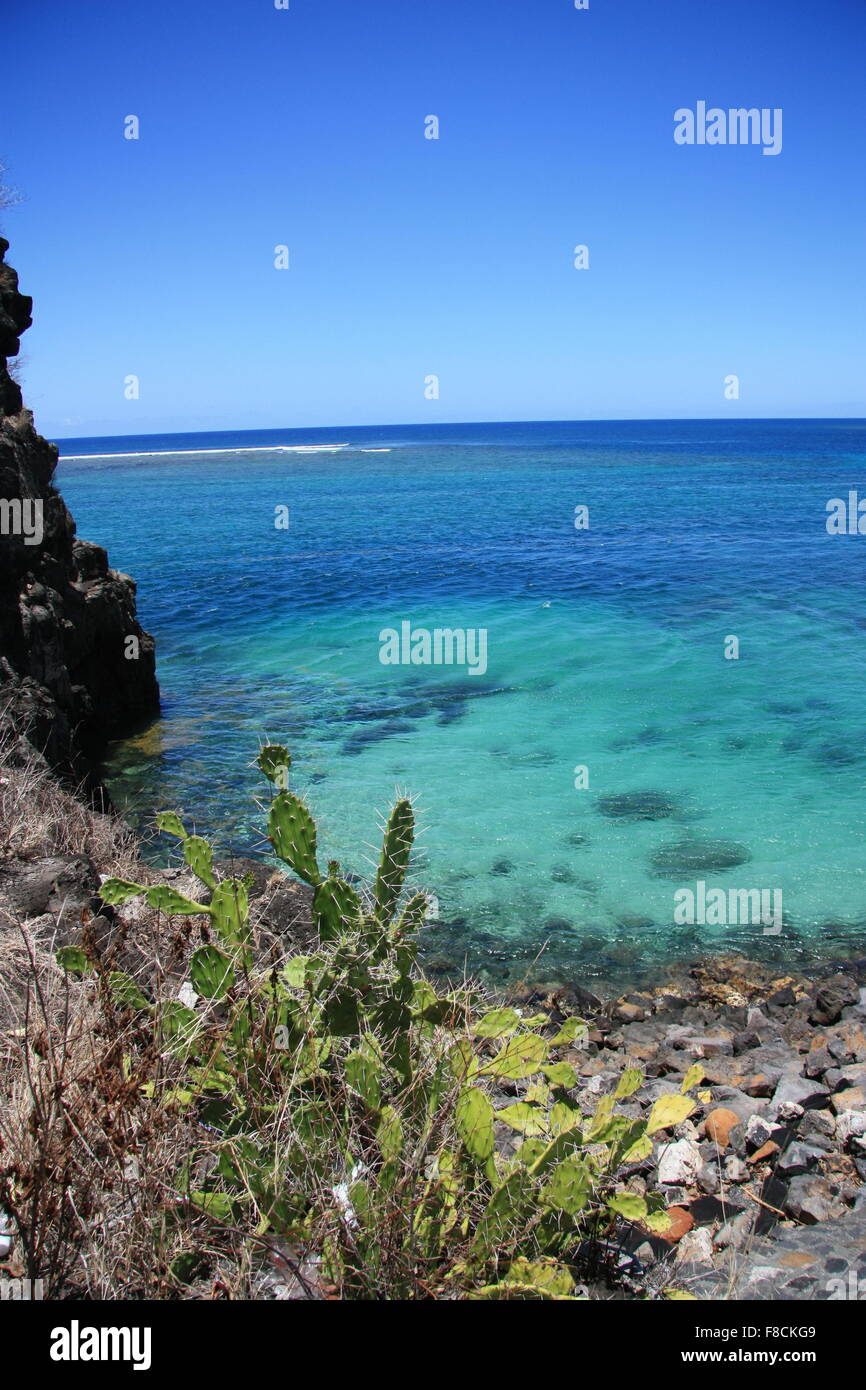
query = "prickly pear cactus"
x=412 y=917
x=199 y=855
x=336 y=907
x=396 y=848
x=274 y=761
x=229 y=907
x=293 y=836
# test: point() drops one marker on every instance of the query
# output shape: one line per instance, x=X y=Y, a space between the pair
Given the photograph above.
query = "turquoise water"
x=606 y=649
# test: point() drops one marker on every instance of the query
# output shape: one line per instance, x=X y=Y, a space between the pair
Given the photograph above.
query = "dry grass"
x=38 y=817
x=88 y=1164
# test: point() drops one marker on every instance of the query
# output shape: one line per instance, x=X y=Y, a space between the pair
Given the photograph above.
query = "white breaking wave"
x=240 y=449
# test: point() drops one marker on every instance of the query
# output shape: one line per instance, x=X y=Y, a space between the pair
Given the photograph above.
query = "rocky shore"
x=766 y=1182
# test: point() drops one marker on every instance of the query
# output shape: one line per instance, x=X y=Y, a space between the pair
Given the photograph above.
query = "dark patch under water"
x=635 y=806
x=687 y=857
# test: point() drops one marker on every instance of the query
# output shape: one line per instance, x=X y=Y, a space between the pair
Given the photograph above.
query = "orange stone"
x=765 y=1151
x=798 y=1259
x=718 y=1126
x=681 y=1222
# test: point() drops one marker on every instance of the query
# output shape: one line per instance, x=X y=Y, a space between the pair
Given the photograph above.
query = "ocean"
x=672 y=690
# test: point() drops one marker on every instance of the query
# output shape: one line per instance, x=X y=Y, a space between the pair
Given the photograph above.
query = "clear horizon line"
x=435 y=424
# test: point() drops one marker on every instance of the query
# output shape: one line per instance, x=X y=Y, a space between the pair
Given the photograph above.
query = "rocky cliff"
x=75 y=666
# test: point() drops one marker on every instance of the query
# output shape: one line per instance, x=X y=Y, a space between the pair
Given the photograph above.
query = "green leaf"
x=389 y=1135
x=693 y=1077
x=628 y=1083
x=473 y=1117
x=396 y=849
x=526 y=1119
x=178 y=1024
x=564 y=1117
x=211 y=972
x=178 y=1095
x=165 y=899
x=412 y=917
x=537 y=1093
x=512 y=1291
x=532 y=1022
x=571 y=1029
x=497 y=1023
x=293 y=835
x=562 y=1146
x=522 y=1056
x=171 y=824
x=601 y=1120
x=336 y=908
x=215 y=1204
x=229 y=908
x=363 y=1074
x=115 y=891
x=73 y=960
x=561 y=1074
x=543 y=1275
x=295 y=972
x=462 y=1060
x=508 y=1210
x=530 y=1151
x=529 y=1280
x=626 y=1204
x=424 y=997
x=274 y=761
x=658 y=1222
x=568 y=1188
x=669 y=1110
x=638 y=1151
x=199 y=855
x=126 y=993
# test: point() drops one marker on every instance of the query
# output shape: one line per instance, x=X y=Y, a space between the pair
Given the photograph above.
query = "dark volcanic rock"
x=61 y=885
x=832 y=997
x=75 y=666
x=634 y=806
x=687 y=857
x=812 y=1199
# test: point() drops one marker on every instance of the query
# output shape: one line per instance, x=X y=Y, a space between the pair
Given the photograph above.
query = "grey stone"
x=798 y=1158
x=832 y=997
x=851 y=1124
x=680 y=1163
x=696 y=1246
x=802 y=1091
x=734 y=1234
x=63 y=885
x=745 y=1106
x=813 y=1199
x=646 y=1255
x=827 y=1260
x=710 y=1045
x=818 y=1062
x=817 y=1123
x=687 y=857
x=758 y=1131
x=735 y=1169
x=709 y=1180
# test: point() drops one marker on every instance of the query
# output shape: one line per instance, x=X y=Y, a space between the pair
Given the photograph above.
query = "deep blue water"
x=605 y=650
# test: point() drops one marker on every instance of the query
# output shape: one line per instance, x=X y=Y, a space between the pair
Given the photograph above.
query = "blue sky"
x=412 y=257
